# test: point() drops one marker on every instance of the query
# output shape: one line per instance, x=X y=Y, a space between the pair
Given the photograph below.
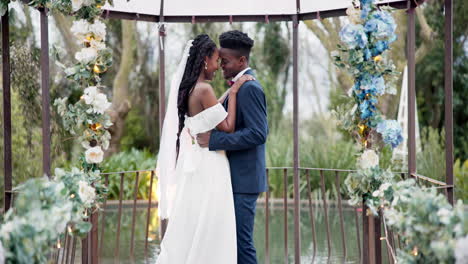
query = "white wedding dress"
x=201 y=228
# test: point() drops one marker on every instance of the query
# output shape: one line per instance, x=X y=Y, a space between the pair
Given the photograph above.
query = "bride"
x=194 y=191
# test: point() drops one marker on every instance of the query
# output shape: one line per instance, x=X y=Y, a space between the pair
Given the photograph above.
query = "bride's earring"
x=206 y=66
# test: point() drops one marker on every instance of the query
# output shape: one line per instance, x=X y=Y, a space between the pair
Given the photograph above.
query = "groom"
x=245 y=147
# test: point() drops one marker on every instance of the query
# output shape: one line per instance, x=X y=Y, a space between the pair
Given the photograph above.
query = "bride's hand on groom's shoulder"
x=237 y=85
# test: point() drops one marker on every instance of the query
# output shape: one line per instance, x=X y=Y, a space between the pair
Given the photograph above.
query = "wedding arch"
x=293 y=11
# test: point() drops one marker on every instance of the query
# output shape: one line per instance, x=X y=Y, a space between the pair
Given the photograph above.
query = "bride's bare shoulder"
x=203 y=88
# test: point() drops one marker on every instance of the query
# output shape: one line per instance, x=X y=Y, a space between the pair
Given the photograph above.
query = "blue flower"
x=385 y=17
x=367 y=54
x=366 y=2
x=373 y=84
x=353 y=36
x=367 y=107
x=379 y=29
x=379 y=47
x=391 y=132
x=365 y=11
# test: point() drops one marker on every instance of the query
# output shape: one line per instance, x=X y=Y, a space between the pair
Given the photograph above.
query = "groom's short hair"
x=237 y=40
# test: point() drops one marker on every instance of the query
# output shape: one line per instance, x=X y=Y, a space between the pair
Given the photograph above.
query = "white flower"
x=444 y=215
x=369 y=159
x=87 y=193
x=77 y=4
x=461 y=251
x=7 y=228
x=100 y=103
x=98 y=29
x=98 y=100
x=89 y=94
x=354 y=15
x=94 y=155
x=86 y=55
x=98 y=45
x=80 y=28
x=2 y=253
x=59 y=172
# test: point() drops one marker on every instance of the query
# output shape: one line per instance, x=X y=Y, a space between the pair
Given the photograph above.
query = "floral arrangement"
x=363 y=53
x=431 y=229
x=46 y=209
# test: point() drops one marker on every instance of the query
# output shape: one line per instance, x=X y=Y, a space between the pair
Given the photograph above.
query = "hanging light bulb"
x=362 y=128
x=95 y=127
x=415 y=252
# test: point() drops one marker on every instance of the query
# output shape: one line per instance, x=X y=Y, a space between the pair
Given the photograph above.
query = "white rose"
x=89 y=94
x=461 y=251
x=98 y=29
x=100 y=103
x=86 y=192
x=77 y=4
x=80 y=28
x=86 y=55
x=94 y=155
x=369 y=159
x=98 y=45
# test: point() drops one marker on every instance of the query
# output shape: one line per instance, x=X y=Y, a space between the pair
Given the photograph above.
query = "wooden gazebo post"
x=7 y=156
x=448 y=85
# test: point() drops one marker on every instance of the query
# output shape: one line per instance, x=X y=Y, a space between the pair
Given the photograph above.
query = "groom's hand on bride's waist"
x=203 y=139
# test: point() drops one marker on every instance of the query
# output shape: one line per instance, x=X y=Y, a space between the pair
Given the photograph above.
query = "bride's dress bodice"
x=206 y=120
x=202 y=122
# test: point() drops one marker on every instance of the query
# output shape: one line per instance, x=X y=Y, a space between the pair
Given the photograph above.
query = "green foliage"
x=270 y=59
x=460 y=171
x=130 y=161
x=431 y=159
x=320 y=146
x=133 y=136
x=430 y=75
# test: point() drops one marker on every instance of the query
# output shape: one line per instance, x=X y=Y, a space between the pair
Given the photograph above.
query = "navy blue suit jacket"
x=245 y=148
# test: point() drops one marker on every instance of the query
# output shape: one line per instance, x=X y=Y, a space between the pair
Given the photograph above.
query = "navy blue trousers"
x=244 y=206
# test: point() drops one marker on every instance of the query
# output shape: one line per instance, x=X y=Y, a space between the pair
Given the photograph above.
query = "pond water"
x=276 y=236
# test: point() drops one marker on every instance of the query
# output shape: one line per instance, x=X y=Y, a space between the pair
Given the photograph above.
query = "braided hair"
x=202 y=46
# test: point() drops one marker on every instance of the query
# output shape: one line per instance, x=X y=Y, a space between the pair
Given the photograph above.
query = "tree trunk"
x=64 y=25
x=120 y=102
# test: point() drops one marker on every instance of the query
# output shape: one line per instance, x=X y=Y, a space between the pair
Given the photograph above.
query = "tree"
x=270 y=58
x=327 y=30
x=430 y=75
